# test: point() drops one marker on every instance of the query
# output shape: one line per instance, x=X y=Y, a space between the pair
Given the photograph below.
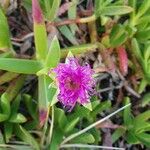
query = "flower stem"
x=90 y=146
x=87 y=19
x=73 y=21
x=51 y=127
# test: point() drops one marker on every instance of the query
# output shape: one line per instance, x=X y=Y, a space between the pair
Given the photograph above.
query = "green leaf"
x=15 y=105
x=20 y=65
x=44 y=96
x=143 y=20
x=143 y=8
x=53 y=94
x=53 y=56
x=17 y=118
x=141 y=126
x=44 y=82
x=144 y=138
x=56 y=139
x=84 y=139
x=117 y=134
x=2 y=139
x=101 y=107
x=32 y=125
x=61 y=119
x=47 y=7
x=26 y=136
x=8 y=130
x=88 y=106
x=52 y=13
x=31 y=106
x=146 y=99
x=131 y=138
x=143 y=35
x=80 y=111
x=66 y=32
x=136 y=49
x=5 y=107
x=146 y=54
x=127 y=116
x=97 y=135
x=143 y=117
x=118 y=35
x=40 y=37
x=5 y=43
x=115 y=10
x=6 y=77
x=141 y=89
x=72 y=13
x=15 y=87
x=132 y=3
x=98 y=5
x=71 y=124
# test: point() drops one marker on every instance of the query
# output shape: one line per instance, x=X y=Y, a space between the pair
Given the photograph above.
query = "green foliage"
x=107 y=9
x=5 y=43
x=26 y=136
x=20 y=65
x=66 y=124
x=52 y=5
x=66 y=32
x=40 y=36
x=53 y=56
x=123 y=24
x=118 y=35
x=135 y=128
x=143 y=56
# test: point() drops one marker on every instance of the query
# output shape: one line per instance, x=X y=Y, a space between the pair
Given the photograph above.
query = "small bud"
x=123 y=60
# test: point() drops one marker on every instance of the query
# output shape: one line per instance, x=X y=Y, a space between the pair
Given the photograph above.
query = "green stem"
x=51 y=127
x=44 y=134
x=87 y=19
x=89 y=146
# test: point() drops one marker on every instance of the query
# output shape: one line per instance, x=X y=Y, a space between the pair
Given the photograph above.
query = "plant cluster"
x=62 y=80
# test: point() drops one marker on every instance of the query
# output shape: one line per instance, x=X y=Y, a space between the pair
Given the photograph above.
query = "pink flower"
x=75 y=83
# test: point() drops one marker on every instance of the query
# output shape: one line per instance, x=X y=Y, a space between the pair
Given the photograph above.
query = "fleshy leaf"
x=40 y=34
x=5 y=43
x=53 y=56
x=88 y=106
x=20 y=65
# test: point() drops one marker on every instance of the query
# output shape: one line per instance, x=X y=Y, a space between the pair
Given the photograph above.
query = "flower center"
x=71 y=85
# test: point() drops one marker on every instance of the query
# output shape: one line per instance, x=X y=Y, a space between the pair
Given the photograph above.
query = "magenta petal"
x=75 y=83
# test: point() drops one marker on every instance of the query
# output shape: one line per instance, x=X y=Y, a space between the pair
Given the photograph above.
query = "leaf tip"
x=37 y=12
